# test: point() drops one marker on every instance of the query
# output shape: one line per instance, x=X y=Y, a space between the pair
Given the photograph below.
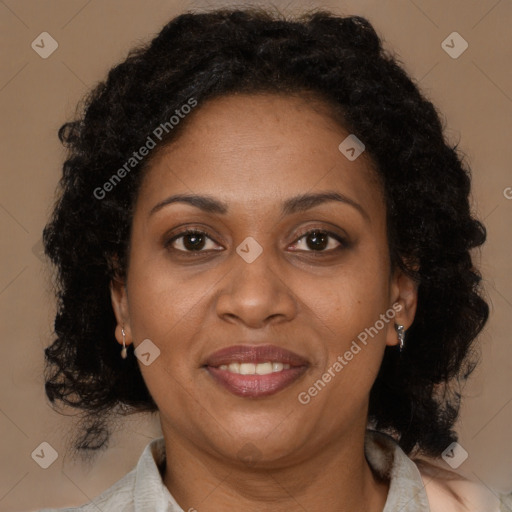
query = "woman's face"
x=257 y=278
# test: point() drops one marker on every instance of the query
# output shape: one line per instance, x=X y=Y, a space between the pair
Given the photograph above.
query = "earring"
x=401 y=335
x=123 y=350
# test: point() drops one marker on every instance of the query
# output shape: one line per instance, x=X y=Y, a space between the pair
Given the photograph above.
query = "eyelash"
x=193 y=231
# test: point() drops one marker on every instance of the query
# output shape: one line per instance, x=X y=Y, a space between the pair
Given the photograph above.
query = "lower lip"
x=255 y=386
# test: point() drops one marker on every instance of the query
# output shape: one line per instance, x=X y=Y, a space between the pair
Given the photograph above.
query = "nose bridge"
x=254 y=265
x=255 y=291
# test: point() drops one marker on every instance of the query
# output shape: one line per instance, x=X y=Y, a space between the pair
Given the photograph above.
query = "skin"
x=253 y=152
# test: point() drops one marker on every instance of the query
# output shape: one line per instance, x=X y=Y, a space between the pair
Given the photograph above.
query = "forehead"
x=258 y=149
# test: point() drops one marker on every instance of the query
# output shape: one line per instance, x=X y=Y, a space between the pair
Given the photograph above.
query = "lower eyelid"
x=341 y=241
x=181 y=236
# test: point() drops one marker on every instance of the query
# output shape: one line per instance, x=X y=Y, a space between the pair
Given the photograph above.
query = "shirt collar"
x=386 y=458
x=384 y=455
x=150 y=493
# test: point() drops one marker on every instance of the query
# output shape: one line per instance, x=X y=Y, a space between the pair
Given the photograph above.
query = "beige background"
x=474 y=93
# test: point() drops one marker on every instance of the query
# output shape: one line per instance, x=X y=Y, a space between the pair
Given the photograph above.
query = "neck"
x=325 y=482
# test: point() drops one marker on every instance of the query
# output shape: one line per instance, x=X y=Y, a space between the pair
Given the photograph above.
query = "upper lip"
x=254 y=354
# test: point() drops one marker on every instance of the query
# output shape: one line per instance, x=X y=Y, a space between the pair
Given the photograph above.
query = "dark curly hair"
x=339 y=61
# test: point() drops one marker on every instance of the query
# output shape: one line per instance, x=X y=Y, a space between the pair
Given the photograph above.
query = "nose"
x=256 y=293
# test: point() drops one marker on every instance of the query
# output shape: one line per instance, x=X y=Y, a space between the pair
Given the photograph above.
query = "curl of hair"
x=340 y=61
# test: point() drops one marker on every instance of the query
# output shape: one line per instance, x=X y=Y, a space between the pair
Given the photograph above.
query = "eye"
x=314 y=240
x=320 y=240
x=191 y=240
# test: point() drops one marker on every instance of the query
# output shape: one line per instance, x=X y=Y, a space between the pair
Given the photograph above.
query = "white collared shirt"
x=431 y=490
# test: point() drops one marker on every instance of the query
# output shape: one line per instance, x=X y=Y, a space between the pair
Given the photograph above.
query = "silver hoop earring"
x=401 y=335
x=123 y=350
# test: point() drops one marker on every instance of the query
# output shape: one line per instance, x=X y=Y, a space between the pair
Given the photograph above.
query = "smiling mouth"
x=254 y=371
x=251 y=380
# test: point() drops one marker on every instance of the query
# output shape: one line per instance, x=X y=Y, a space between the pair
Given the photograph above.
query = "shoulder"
x=141 y=488
x=117 y=497
x=448 y=491
x=427 y=484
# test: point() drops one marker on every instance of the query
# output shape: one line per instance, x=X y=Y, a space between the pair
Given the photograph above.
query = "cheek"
x=168 y=310
x=346 y=310
x=352 y=298
x=163 y=303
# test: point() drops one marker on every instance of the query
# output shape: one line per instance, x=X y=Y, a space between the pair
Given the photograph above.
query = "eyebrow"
x=292 y=205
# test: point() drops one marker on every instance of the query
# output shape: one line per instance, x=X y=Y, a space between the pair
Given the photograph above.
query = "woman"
x=264 y=214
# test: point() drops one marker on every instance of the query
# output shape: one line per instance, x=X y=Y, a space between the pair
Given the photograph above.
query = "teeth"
x=234 y=367
x=255 y=369
x=247 y=368
x=277 y=367
x=264 y=368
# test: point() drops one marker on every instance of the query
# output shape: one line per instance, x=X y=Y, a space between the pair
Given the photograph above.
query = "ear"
x=119 y=300
x=404 y=300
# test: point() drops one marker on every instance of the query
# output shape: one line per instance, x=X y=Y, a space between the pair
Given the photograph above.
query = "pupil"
x=316 y=240
x=197 y=244
x=319 y=240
